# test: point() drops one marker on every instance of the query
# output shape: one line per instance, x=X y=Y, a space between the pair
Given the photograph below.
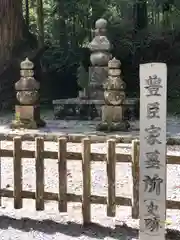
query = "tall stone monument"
x=114 y=96
x=27 y=112
x=100 y=55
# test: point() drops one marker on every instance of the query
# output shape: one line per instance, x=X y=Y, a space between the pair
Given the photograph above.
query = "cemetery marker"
x=152 y=186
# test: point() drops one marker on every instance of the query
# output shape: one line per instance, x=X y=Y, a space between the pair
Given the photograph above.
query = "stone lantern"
x=114 y=97
x=27 y=113
x=100 y=55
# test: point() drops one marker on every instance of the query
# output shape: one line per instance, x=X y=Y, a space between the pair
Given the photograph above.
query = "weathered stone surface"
x=27 y=87
x=114 y=83
x=27 y=114
x=112 y=113
x=113 y=126
x=100 y=55
x=27 y=117
x=101 y=23
x=62 y=107
x=112 y=119
x=99 y=58
x=100 y=43
x=97 y=77
x=27 y=97
x=27 y=65
x=128 y=101
x=114 y=97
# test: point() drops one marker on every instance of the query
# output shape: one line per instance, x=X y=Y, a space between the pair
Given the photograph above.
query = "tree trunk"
x=27 y=12
x=140 y=14
x=63 y=35
x=40 y=22
x=11 y=28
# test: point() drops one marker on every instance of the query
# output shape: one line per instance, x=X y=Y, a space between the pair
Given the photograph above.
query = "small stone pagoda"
x=114 y=96
x=100 y=55
x=27 y=113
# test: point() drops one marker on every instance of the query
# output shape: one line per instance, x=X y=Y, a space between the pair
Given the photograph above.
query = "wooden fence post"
x=135 y=178
x=17 y=172
x=39 y=158
x=62 y=169
x=111 y=173
x=86 y=171
x=0 y=174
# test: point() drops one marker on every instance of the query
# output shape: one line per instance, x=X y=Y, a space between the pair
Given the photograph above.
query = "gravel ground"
x=49 y=224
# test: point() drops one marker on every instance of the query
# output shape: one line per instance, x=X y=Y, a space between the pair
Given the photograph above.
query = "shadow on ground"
x=75 y=229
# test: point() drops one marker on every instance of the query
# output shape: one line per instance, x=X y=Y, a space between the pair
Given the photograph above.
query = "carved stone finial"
x=100 y=46
x=27 y=64
x=114 y=63
x=101 y=23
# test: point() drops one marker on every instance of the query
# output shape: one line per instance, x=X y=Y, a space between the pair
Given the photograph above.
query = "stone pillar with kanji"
x=100 y=55
x=27 y=112
x=114 y=97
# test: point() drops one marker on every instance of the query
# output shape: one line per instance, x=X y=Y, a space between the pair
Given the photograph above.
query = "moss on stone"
x=27 y=124
x=113 y=127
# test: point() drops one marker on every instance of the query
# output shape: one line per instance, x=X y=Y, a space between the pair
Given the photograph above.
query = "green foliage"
x=67 y=26
x=70 y=21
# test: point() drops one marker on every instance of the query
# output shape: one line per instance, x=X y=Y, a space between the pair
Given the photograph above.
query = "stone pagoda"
x=27 y=112
x=100 y=55
x=114 y=97
x=90 y=106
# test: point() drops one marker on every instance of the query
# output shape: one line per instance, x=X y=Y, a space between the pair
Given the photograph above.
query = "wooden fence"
x=62 y=155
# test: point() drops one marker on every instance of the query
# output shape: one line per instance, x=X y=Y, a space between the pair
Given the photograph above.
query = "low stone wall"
x=85 y=109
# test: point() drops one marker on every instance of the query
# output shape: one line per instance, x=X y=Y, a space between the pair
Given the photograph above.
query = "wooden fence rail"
x=62 y=197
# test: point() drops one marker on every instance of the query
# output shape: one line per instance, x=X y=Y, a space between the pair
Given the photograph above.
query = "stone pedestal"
x=27 y=117
x=112 y=119
x=112 y=113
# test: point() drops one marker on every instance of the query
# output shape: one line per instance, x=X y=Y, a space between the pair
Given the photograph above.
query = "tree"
x=140 y=14
x=13 y=31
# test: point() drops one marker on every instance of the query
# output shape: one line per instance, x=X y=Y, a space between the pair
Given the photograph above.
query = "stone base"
x=78 y=109
x=113 y=126
x=113 y=119
x=27 y=117
x=112 y=113
x=85 y=109
x=27 y=124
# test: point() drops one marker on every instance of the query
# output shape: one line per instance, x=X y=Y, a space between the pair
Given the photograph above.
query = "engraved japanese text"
x=152 y=159
x=153 y=134
x=153 y=85
x=153 y=184
x=153 y=110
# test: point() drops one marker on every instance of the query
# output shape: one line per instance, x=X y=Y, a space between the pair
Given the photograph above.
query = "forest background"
x=55 y=34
